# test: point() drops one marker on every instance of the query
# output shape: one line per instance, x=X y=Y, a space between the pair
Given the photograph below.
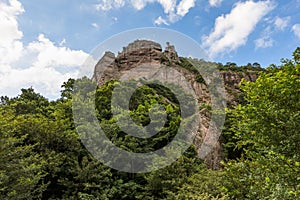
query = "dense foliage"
x=42 y=157
x=229 y=66
x=266 y=131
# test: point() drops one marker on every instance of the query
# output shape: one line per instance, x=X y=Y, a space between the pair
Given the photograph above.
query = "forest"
x=42 y=156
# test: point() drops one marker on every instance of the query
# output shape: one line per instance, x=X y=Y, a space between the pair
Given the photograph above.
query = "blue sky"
x=42 y=43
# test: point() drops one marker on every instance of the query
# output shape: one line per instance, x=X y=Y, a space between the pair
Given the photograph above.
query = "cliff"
x=141 y=52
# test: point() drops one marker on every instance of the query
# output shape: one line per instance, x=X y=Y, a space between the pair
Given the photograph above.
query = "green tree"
x=204 y=185
x=41 y=154
x=21 y=168
x=68 y=89
x=29 y=102
x=266 y=130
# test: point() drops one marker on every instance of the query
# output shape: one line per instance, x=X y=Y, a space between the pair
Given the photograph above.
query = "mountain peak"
x=134 y=54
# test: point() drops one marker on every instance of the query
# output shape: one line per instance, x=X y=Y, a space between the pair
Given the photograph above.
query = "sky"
x=43 y=43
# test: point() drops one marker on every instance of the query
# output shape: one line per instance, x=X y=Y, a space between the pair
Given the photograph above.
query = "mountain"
x=142 y=58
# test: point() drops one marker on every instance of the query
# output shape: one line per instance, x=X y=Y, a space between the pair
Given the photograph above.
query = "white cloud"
x=160 y=21
x=168 y=5
x=232 y=30
x=49 y=55
x=173 y=11
x=265 y=39
x=184 y=6
x=106 y=5
x=140 y=4
x=215 y=3
x=10 y=47
x=275 y=24
x=40 y=64
x=263 y=42
x=296 y=30
x=281 y=23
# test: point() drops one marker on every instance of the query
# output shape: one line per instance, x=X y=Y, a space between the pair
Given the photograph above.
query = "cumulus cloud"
x=232 y=30
x=281 y=23
x=105 y=5
x=10 y=46
x=168 y=5
x=50 y=55
x=215 y=3
x=296 y=30
x=140 y=4
x=184 y=7
x=40 y=64
x=173 y=11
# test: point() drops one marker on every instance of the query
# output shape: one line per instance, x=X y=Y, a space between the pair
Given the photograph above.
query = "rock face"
x=138 y=52
x=110 y=72
x=145 y=55
x=171 y=53
x=232 y=81
x=135 y=54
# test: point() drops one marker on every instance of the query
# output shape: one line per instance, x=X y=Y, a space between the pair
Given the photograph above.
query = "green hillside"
x=42 y=156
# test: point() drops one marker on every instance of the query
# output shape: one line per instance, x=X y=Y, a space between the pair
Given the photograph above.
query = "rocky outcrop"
x=139 y=52
x=234 y=78
x=143 y=55
x=171 y=53
x=135 y=54
x=232 y=81
x=106 y=68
